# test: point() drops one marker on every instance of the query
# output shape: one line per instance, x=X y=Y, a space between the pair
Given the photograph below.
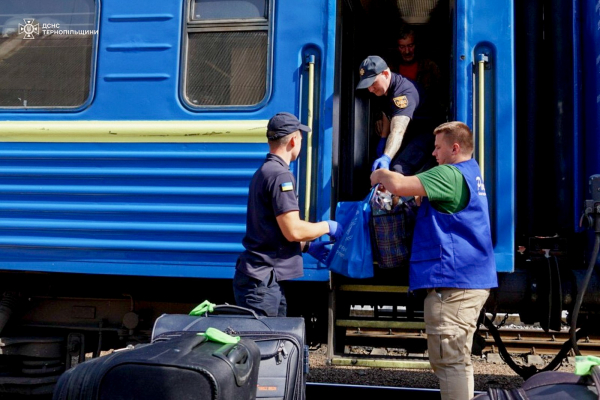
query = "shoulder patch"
x=286 y=186
x=401 y=101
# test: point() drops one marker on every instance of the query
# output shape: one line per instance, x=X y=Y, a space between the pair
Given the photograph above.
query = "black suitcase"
x=189 y=367
x=281 y=340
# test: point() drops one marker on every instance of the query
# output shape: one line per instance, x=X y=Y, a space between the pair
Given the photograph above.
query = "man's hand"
x=376 y=179
x=319 y=250
x=336 y=230
x=382 y=162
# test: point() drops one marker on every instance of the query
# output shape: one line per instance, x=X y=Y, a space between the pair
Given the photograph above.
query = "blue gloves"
x=336 y=230
x=381 y=146
x=319 y=250
x=382 y=162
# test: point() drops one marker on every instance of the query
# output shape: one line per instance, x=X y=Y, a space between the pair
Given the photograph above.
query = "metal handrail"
x=309 y=123
x=481 y=111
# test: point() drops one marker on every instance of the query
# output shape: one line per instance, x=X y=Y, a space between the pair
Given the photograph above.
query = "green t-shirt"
x=446 y=188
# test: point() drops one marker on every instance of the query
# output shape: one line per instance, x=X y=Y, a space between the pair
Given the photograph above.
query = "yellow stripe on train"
x=253 y=131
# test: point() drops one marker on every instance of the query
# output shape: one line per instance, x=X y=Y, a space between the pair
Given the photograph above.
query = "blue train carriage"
x=130 y=131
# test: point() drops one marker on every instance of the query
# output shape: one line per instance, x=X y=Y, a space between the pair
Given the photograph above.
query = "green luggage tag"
x=584 y=364
x=218 y=336
x=203 y=308
x=213 y=334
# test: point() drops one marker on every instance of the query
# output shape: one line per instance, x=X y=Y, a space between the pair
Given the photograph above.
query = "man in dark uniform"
x=400 y=98
x=275 y=234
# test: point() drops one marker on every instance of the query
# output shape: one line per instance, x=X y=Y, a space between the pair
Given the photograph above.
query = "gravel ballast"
x=487 y=374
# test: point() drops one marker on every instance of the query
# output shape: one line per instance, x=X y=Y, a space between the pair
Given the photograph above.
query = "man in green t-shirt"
x=445 y=187
x=452 y=253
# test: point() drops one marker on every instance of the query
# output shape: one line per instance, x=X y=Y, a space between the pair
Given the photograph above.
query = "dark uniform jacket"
x=272 y=193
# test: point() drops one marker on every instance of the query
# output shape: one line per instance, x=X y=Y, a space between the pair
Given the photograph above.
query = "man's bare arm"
x=397 y=130
x=398 y=184
x=296 y=230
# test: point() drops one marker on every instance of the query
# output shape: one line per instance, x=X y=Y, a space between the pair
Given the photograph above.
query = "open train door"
x=472 y=42
x=484 y=98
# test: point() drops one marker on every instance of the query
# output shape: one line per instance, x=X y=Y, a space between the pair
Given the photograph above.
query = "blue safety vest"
x=455 y=250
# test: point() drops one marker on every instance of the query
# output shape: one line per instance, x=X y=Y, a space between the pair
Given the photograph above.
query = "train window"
x=46 y=53
x=226 y=53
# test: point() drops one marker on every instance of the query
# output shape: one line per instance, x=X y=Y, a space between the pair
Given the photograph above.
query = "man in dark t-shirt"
x=275 y=234
x=399 y=100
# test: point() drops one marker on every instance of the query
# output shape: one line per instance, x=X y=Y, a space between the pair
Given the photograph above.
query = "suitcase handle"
x=239 y=356
x=239 y=359
x=235 y=310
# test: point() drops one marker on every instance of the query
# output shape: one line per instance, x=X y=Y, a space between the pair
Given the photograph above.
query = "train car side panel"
x=484 y=96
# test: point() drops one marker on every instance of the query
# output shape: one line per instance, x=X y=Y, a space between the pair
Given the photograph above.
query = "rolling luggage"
x=281 y=340
x=552 y=385
x=189 y=367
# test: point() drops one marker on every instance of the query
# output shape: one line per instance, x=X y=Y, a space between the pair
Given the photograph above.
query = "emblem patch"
x=361 y=72
x=401 y=101
x=286 y=186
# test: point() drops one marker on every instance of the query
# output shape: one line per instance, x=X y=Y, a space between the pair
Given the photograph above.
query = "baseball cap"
x=369 y=69
x=282 y=124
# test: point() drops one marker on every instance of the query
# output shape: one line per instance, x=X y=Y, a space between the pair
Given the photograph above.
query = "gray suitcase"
x=281 y=340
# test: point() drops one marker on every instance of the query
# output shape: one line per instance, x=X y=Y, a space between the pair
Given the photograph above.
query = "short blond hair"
x=457 y=132
x=282 y=141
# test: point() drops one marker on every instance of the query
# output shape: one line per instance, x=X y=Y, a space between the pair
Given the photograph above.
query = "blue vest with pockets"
x=455 y=250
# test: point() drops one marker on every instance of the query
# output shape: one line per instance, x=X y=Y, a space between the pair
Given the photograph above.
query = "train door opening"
x=414 y=37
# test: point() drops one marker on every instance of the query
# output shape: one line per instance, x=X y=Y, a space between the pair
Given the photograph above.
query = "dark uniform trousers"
x=266 y=297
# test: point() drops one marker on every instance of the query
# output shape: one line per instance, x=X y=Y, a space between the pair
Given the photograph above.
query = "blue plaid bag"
x=392 y=233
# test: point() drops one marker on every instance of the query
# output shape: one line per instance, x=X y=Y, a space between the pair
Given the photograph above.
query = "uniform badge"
x=361 y=72
x=286 y=186
x=401 y=101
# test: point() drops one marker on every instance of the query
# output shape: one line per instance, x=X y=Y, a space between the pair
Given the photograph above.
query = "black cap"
x=369 y=69
x=282 y=124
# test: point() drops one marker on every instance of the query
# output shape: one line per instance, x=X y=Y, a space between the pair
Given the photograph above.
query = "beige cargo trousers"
x=451 y=320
